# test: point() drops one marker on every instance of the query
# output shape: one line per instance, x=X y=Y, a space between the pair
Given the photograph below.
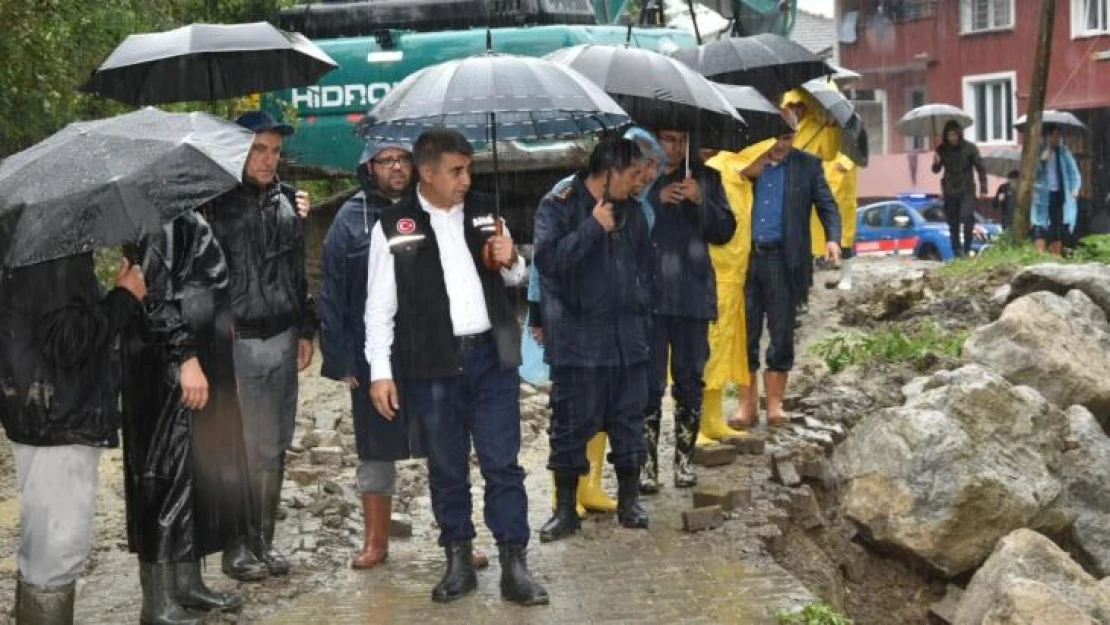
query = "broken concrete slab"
x=698 y=519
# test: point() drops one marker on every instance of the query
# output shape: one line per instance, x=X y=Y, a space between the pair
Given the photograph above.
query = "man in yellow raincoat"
x=819 y=135
x=728 y=339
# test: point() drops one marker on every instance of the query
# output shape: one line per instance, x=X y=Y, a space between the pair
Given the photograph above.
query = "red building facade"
x=978 y=55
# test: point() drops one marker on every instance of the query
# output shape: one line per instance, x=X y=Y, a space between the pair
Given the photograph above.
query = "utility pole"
x=1033 y=114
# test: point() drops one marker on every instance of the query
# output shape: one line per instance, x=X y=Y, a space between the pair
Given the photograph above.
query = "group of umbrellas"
x=929 y=120
x=102 y=183
x=722 y=93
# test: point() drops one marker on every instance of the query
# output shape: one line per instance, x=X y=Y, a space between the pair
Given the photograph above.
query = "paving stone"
x=327 y=456
x=712 y=495
x=804 y=502
x=1071 y=443
x=305 y=475
x=740 y=497
x=308 y=543
x=835 y=430
x=699 y=519
x=714 y=455
x=750 y=445
x=783 y=472
x=945 y=609
x=818 y=469
x=326 y=419
x=771 y=536
x=400 y=526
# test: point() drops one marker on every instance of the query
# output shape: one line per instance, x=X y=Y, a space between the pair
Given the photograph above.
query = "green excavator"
x=377 y=43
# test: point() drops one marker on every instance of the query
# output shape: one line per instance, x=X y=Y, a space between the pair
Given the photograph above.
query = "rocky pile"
x=1028 y=580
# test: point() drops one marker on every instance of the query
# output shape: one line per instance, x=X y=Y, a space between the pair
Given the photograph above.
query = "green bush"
x=813 y=614
x=1094 y=248
x=919 y=346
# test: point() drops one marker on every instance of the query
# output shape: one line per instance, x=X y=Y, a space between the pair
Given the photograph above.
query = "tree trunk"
x=1032 y=139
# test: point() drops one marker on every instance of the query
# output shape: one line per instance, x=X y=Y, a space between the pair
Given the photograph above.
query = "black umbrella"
x=659 y=92
x=208 y=62
x=853 y=136
x=771 y=63
x=106 y=182
x=494 y=97
x=764 y=119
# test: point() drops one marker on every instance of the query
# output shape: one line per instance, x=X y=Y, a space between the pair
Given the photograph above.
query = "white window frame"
x=908 y=93
x=966 y=21
x=1079 y=28
x=969 y=84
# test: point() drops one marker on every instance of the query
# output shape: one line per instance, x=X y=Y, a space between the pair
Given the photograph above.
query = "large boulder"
x=1086 y=477
x=1057 y=345
x=965 y=461
x=1091 y=278
x=1028 y=580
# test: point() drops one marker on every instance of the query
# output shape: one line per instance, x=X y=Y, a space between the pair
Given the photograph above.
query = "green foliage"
x=50 y=47
x=813 y=614
x=918 y=346
x=1094 y=248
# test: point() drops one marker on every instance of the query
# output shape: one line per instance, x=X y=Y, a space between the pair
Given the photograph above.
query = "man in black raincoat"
x=689 y=211
x=593 y=255
x=164 y=382
x=385 y=175
x=262 y=236
x=59 y=407
x=960 y=160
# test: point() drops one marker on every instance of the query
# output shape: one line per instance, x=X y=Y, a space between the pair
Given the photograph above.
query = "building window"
x=1089 y=17
x=990 y=99
x=915 y=97
x=985 y=15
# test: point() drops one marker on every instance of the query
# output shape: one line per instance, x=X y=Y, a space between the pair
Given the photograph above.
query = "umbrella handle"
x=487 y=249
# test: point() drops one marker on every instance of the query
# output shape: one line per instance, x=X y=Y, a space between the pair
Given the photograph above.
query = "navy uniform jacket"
x=595 y=285
x=684 y=284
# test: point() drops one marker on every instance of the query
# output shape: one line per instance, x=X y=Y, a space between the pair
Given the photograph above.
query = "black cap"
x=261 y=121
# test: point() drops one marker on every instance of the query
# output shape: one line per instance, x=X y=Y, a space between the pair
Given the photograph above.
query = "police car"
x=914 y=225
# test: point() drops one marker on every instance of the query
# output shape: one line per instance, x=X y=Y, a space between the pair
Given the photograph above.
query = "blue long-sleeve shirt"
x=770 y=198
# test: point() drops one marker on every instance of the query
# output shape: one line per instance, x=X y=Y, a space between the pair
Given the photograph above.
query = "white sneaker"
x=845 y=283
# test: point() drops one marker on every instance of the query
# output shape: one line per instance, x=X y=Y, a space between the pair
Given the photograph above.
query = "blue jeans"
x=483 y=404
x=769 y=296
x=586 y=400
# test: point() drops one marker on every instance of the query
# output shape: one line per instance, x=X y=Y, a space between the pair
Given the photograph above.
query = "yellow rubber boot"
x=590 y=493
x=578 y=505
x=713 y=426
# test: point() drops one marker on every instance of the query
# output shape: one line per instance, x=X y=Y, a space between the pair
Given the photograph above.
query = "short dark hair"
x=1013 y=174
x=613 y=154
x=432 y=144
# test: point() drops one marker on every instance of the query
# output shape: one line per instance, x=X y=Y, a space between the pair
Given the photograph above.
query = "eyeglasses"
x=390 y=163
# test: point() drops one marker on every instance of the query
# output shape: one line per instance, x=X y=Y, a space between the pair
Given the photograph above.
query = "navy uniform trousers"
x=480 y=404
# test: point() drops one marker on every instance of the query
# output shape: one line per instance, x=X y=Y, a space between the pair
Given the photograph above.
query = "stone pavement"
x=605 y=574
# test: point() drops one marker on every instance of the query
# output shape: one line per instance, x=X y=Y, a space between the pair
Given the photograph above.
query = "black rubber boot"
x=270 y=498
x=629 y=511
x=517 y=584
x=192 y=593
x=565 y=521
x=38 y=605
x=240 y=563
x=460 y=578
x=649 y=484
x=160 y=606
x=686 y=423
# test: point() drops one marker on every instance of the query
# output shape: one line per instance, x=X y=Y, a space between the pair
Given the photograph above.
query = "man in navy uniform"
x=593 y=255
x=442 y=322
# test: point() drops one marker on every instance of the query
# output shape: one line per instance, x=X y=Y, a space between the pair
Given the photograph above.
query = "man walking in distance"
x=59 y=407
x=787 y=184
x=593 y=255
x=689 y=213
x=445 y=319
x=262 y=236
x=958 y=157
x=385 y=173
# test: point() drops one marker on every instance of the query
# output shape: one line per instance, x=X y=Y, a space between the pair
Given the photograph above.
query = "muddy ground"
x=322 y=523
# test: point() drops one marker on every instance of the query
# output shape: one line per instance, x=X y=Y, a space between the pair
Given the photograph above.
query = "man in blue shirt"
x=787 y=185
